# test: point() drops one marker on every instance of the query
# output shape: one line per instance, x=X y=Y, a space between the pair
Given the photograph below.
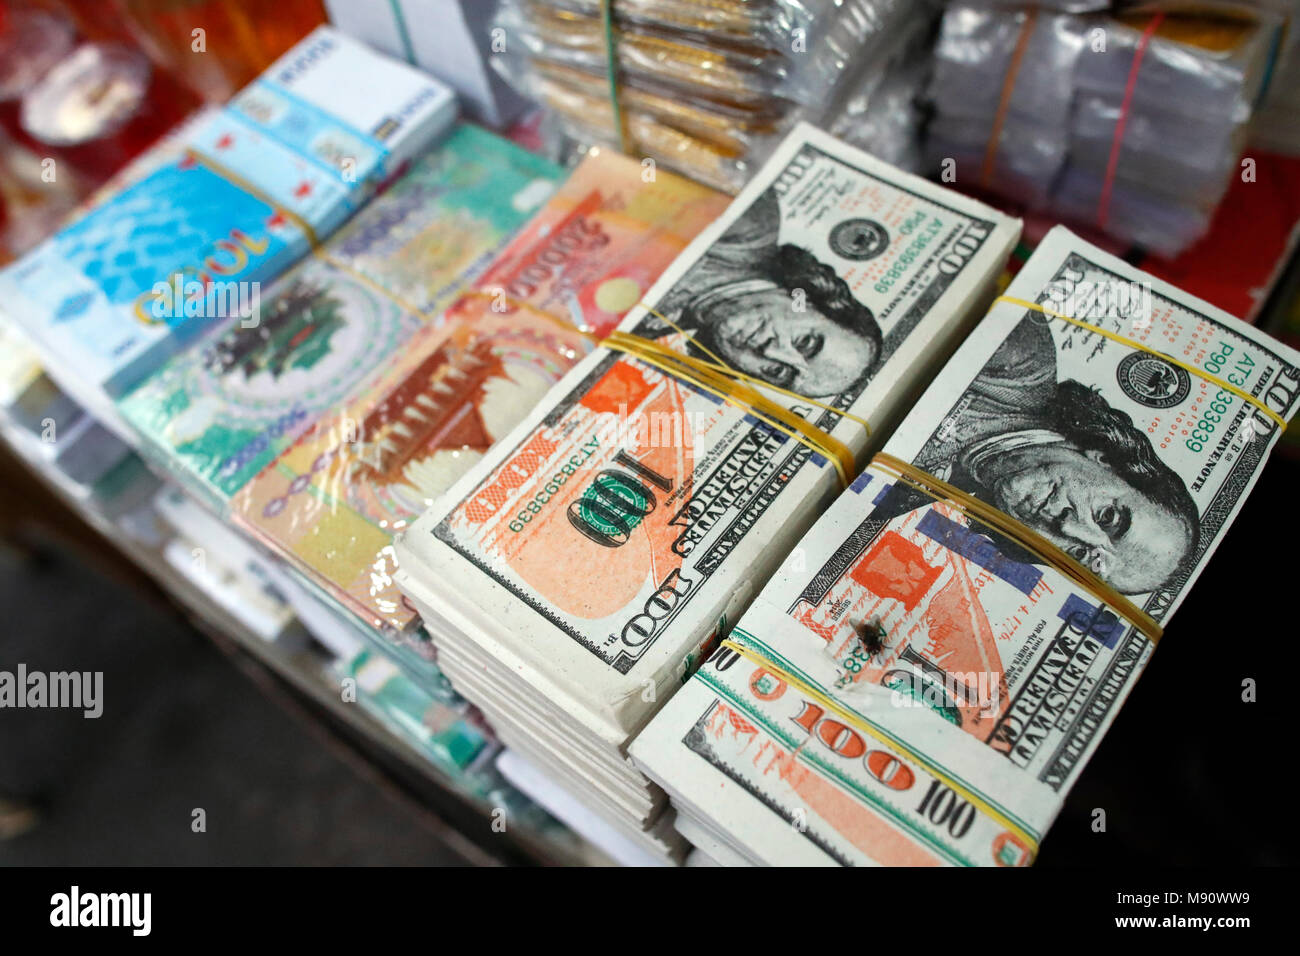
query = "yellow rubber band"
x=1026 y=537
x=726 y=369
x=860 y=724
x=704 y=376
x=717 y=379
x=1142 y=347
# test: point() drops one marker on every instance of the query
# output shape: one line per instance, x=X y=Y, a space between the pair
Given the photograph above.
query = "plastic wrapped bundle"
x=706 y=87
x=1209 y=67
x=701 y=143
x=1002 y=91
x=978 y=49
x=761 y=25
x=1058 y=6
x=1131 y=123
x=884 y=117
x=792 y=50
x=1176 y=156
x=1160 y=117
x=1136 y=214
x=882 y=113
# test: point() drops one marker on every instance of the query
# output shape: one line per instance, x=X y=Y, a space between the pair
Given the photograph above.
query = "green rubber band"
x=607 y=21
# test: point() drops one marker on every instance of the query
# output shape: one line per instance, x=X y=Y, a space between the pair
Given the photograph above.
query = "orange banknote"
x=604 y=482
x=600 y=243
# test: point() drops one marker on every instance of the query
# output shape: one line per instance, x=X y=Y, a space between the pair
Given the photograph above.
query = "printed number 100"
x=943 y=807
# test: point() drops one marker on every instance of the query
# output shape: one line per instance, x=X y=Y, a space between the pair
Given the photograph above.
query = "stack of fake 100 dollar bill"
x=917 y=687
x=573 y=579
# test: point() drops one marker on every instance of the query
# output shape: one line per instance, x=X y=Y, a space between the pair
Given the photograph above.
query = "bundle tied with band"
x=575 y=566
x=713 y=375
x=1131 y=122
x=928 y=673
x=708 y=89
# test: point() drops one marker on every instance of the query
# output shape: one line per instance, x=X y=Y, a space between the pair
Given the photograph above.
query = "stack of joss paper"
x=573 y=578
x=705 y=87
x=1131 y=123
x=217 y=414
x=927 y=675
x=186 y=243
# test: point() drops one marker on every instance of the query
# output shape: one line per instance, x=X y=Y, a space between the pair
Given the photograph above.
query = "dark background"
x=1189 y=774
x=185 y=725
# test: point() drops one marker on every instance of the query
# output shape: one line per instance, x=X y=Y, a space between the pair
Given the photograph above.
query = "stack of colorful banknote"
x=186 y=245
x=219 y=413
x=367 y=466
x=575 y=576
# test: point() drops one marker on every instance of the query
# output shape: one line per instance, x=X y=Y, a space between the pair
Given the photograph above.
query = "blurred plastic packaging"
x=1277 y=122
x=1013 y=134
x=1131 y=122
x=883 y=112
x=707 y=87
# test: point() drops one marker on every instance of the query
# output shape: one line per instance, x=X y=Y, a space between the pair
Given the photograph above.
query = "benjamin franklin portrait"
x=774 y=311
x=1057 y=457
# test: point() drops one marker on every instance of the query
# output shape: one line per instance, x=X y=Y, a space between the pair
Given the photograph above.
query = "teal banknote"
x=218 y=413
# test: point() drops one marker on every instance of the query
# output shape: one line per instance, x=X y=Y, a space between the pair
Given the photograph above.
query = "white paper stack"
x=450 y=39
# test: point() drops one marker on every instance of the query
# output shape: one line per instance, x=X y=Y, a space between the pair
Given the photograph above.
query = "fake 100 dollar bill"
x=912 y=686
x=603 y=541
